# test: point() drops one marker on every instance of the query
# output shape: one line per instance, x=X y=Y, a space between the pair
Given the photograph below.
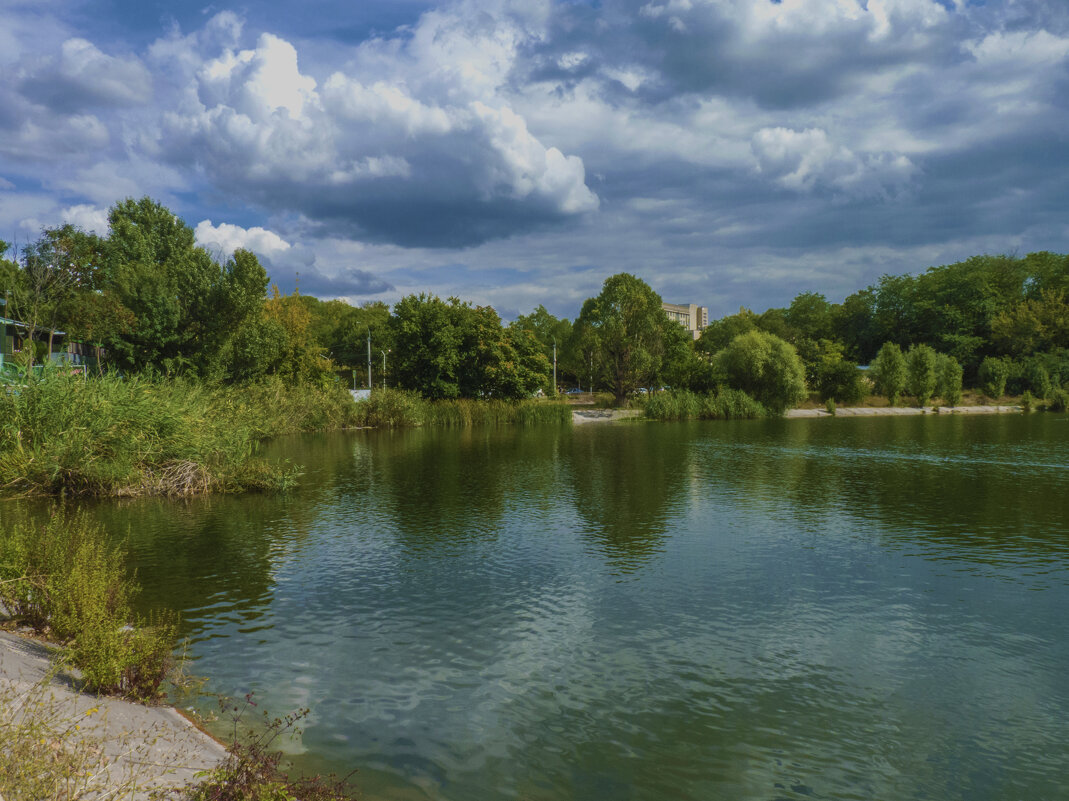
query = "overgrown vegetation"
x=63 y=577
x=396 y=408
x=60 y=434
x=251 y=771
x=682 y=404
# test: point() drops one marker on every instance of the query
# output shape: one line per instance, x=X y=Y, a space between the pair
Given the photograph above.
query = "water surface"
x=837 y=609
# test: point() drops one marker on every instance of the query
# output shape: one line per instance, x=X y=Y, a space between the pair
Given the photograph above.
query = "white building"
x=693 y=318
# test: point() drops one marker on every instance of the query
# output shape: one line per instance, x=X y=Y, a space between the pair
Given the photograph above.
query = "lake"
x=780 y=609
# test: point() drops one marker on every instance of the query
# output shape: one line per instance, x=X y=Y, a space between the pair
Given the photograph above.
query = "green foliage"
x=64 y=578
x=766 y=368
x=992 y=375
x=840 y=381
x=888 y=371
x=1059 y=400
x=623 y=328
x=948 y=379
x=1037 y=378
x=719 y=333
x=921 y=375
x=454 y=350
x=110 y=436
x=829 y=406
x=681 y=404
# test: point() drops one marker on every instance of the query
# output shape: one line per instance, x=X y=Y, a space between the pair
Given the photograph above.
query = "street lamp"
x=369 y=357
x=384 y=352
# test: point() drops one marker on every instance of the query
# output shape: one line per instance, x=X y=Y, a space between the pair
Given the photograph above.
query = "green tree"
x=765 y=367
x=948 y=379
x=719 y=333
x=840 y=381
x=625 y=325
x=888 y=371
x=921 y=376
x=549 y=331
x=426 y=345
x=993 y=375
x=168 y=283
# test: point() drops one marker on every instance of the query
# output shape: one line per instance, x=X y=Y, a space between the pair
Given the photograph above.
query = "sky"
x=518 y=152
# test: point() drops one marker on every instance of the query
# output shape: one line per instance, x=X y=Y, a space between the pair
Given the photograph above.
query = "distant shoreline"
x=895 y=411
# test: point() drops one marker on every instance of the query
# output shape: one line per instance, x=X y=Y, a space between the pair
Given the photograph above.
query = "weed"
x=252 y=770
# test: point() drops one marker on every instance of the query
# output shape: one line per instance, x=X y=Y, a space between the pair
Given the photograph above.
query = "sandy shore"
x=580 y=416
x=153 y=747
x=894 y=411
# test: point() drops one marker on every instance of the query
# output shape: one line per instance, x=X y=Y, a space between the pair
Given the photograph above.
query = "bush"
x=840 y=382
x=948 y=374
x=888 y=371
x=921 y=376
x=64 y=579
x=1037 y=378
x=251 y=770
x=1059 y=401
x=766 y=368
x=993 y=375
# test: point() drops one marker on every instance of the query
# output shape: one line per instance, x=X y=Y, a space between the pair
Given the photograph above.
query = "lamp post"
x=369 y=358
x=384 y=352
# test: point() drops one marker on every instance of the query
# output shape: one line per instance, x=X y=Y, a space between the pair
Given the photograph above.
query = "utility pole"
x=554 y=365
x=384 y=352
x=369 y=358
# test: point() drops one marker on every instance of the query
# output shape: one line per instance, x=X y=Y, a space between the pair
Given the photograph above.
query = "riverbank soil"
x=153 y=749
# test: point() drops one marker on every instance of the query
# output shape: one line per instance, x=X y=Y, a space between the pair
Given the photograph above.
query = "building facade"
x=693 y=318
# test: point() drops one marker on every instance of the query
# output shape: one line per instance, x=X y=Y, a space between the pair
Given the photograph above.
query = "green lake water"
x=787 y=609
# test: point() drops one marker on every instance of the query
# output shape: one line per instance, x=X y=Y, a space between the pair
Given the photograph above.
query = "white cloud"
x=803 y=160
x=87 y=217
x=227 y=238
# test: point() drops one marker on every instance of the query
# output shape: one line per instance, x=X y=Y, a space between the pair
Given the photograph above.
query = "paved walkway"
x=153 y=747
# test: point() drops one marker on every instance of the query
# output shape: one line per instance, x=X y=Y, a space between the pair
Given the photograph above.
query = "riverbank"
x=123 y=750
x=897 y=411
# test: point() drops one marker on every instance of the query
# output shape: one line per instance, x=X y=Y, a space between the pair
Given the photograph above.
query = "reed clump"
x=113 y=436
x=399 y=408
x=725 y=404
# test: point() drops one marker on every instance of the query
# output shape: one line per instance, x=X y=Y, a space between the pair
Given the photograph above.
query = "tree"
x=168 y=283
x=888 y=371
x=765 y=367
x=301 y=359
x=921 y=376
x=840 y=381
x=625 y=325
x=719 y=333
x=948 y=379
x=993 y=375
x=427 y=345
x=548 y=331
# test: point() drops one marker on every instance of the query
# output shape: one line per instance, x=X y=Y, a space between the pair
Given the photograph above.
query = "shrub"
x=251 y=770
x=766 y=368
x=948 y=374
x=63 y=578
x=1037 y=378
x=840 y=382
x=1059 y=401
x=921 y=376
x=992 y=376
x=888 y=371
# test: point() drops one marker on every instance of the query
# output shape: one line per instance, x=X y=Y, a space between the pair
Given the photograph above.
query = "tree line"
x=154 y=301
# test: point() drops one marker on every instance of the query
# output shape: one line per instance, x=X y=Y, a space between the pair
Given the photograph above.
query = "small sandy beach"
x=153 y=747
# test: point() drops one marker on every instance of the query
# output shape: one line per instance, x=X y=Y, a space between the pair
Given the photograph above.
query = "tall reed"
x=681 y=404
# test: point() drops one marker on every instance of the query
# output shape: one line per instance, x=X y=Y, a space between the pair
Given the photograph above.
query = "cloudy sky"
x=516 y=152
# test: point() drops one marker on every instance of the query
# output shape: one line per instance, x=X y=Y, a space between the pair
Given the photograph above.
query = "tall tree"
x=625 y=323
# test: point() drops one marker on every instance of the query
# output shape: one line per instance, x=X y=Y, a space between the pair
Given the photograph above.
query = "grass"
x=681 y=404
x=64 y=579
x=109 y=436
x=396 y=408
